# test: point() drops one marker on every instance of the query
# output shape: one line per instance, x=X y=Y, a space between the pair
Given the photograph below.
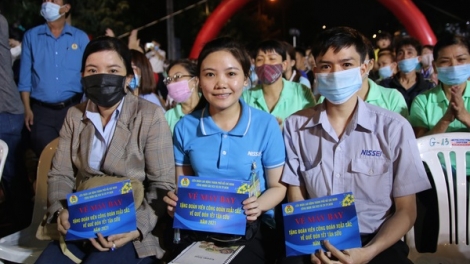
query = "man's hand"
x=28 y=118
x=109 y=32
x=349 y=256
x=134 y=42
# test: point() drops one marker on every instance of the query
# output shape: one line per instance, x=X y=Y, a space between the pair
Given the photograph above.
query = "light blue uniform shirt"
x=103 y=135
x=376 y=159
x=151 y=97
x=213 y=152
x=50 y=67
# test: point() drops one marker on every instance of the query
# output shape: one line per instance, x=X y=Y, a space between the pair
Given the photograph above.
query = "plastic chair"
x=23 y=246
x=3 y=156
x=452 y=190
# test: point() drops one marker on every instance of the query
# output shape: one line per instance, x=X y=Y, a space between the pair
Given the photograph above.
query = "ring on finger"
x=113 y=247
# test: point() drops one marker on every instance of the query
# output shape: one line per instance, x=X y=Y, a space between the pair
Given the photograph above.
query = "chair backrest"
x=3 y=156
x=450 y=179
x=44 y=166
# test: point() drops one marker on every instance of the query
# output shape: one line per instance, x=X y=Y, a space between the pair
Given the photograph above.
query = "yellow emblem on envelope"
x=289 y=209
x=185 y=182
x=73 y=199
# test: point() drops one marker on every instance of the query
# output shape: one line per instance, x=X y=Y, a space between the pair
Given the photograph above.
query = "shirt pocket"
x=372 y=179
x=73 y=59
x=315 y=183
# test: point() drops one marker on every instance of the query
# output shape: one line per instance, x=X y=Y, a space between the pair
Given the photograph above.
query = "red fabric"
x=214 y=24
x=413 y=20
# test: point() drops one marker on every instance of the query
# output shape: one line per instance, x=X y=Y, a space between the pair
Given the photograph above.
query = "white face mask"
x=51 y=11
x=15 y=52
x=426 y=59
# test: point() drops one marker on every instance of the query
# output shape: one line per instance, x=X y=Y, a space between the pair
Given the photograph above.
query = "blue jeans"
x=14 y=176
x=16 y=186
x=89 y=255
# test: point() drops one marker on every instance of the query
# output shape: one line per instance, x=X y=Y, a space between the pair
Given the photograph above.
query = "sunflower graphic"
x=243 y=189
x=348 y=200
x=126 y=188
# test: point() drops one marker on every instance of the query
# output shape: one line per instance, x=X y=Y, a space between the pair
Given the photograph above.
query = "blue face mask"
x=453 y=75
x=134 y=83
x=338 y=87
x=385 y=72
x=408 y=65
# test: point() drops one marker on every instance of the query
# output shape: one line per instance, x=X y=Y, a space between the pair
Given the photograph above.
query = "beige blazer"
x=141 y=148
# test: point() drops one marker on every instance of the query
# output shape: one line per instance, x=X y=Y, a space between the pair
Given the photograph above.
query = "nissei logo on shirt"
x=371 y=153
x=254 y=153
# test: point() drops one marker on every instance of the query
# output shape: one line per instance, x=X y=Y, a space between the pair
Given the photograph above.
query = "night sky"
x=368 y=16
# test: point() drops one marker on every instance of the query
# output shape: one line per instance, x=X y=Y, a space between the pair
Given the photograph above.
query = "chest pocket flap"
x=370 y=167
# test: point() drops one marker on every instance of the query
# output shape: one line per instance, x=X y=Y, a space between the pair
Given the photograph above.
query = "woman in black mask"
x=112 y=133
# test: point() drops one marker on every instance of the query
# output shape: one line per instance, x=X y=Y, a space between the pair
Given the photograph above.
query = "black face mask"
x=104 y=90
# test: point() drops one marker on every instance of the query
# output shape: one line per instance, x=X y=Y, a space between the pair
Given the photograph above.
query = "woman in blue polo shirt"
x=225 y=138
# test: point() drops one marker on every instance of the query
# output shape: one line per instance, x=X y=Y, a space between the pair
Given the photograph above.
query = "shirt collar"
x=284 y=96
x=360 y=117
x=441 y=96
x=209 y=127
x=92 y=109
x=373 y=93
x=179 y=111
x=46 y=30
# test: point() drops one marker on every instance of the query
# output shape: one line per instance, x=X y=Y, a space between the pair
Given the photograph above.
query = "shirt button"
x=56 y=53
x=337 y=175
x=339 y=148
x=225 y=136
x=371 y=171
x=224 y=152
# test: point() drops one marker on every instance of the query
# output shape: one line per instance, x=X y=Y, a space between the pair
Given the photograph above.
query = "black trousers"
x=396 y=254
x=46 y=126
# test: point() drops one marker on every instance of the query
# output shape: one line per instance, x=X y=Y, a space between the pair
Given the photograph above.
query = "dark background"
x=258 y=20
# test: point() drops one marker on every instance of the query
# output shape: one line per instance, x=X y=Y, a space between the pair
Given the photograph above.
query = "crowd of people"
x=341 y=115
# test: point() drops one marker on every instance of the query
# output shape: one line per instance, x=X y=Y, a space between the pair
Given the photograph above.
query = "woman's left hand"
x=115 y=241
x=251 y=207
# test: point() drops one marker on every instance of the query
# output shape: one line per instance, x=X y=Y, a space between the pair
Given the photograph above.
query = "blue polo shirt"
x=213 y=152
x=50 y=66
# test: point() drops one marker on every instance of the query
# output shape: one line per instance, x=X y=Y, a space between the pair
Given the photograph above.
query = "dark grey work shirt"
x=10 y=101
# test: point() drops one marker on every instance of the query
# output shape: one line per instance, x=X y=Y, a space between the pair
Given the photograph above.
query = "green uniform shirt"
x=294 y=97
x=173 y=116
x=387 y=98
x=429 y=107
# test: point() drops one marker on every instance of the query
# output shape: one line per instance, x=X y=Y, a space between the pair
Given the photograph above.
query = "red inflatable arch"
x=405 y=10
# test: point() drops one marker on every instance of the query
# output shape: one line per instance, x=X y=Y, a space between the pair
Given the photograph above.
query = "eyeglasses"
x=175 y=78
